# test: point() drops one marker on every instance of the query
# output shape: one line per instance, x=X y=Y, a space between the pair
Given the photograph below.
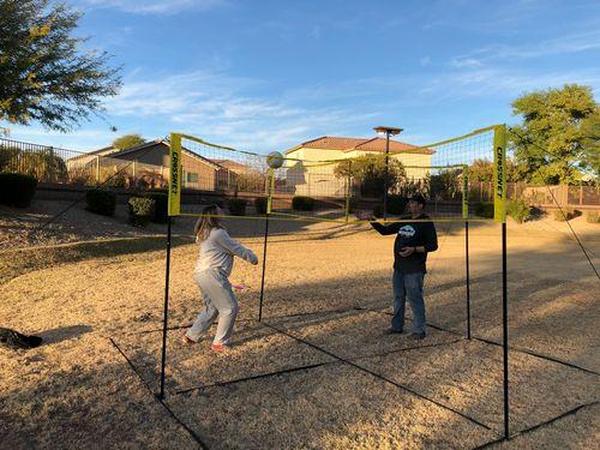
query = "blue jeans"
x=409 y=286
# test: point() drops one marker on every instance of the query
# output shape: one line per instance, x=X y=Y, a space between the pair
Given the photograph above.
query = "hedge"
x=301 y=203
x=17 y=189
x=101 y=202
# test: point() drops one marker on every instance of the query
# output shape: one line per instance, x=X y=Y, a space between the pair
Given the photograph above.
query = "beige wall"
x=315 y=154
x=207 y=175
x=320 y=180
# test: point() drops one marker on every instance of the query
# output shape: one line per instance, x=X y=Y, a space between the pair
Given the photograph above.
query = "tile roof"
x=347 y=144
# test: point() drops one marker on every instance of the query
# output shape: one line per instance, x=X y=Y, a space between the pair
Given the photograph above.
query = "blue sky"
x=266 y=75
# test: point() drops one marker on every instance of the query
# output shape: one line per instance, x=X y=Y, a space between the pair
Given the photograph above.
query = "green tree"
x=590 y=129
x=446 y=185
x=370 y=173
x=128 y=141
x=45 y=75
x=550 y=145
x=482 y=170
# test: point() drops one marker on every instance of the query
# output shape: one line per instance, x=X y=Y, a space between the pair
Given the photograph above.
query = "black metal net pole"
x=270 y=189
x=468 y=279
x=505 y=334
x=264 y=267
x=161 y=394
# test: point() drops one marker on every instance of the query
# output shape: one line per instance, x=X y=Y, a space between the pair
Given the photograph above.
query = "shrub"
x=378 y=210
x=536 y=213
x=518 y=210
x=141 y=210
x=396 y=204
x=566 y=214
x=237 y=206
x=161 y=207
x=17 y=189
x=300 y=203
x=485 y=210
x=260 y=203
x=101 y=202
x=593 y=217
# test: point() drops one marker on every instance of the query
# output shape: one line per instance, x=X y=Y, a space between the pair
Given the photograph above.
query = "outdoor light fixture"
x=388 y=131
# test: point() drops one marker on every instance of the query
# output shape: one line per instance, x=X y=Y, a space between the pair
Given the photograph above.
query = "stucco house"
x=152 y=157
x=319 y=180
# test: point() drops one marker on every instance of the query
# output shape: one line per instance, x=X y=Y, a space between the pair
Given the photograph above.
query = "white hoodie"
x=217 y=252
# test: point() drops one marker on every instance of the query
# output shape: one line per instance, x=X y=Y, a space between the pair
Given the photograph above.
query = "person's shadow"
x=63 y=333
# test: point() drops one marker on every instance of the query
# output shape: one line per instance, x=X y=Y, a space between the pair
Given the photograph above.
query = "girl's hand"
x=364 y=215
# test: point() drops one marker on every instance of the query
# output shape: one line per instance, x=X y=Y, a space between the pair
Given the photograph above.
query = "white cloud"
x=466 y=62
x=573 y=43
x=250 y=114
x=492 y=83
x=155 y=6
x=230 y=110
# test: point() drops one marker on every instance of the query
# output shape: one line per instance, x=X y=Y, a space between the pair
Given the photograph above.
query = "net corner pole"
x=468 y=279
x=499 y=173
x=505 y=331
x=161 y=394
x=465 y=214
x=264 y=268
x=500 y=217
x=175 y=168
x=270 y=188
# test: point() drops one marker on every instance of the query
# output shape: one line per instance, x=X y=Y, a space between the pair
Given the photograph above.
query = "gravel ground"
x=326 y=285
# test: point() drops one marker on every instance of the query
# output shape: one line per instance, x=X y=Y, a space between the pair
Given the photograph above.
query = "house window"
x=191 y=177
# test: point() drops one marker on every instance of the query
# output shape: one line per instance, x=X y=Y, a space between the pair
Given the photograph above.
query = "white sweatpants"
x=220 y=300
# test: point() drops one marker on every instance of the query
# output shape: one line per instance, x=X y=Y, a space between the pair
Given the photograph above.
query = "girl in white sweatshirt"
x=213 y=267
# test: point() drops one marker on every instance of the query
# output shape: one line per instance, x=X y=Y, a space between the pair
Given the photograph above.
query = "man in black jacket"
x=415 y=237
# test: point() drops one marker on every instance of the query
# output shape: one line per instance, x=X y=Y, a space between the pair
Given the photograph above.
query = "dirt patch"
x=320 y=280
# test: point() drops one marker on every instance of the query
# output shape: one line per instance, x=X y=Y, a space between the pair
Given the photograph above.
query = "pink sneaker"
x=219 y=348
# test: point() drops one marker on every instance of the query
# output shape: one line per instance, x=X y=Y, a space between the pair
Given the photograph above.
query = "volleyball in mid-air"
x=275 y=160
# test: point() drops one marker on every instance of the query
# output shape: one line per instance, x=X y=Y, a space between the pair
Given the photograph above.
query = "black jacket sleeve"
x=431 y=241
x=384 y=230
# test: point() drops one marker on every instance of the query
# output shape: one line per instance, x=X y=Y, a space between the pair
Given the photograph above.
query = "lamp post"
x=388 y=131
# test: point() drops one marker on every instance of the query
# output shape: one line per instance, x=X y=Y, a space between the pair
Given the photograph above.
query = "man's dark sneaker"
x=393 y=331
x=418 y=336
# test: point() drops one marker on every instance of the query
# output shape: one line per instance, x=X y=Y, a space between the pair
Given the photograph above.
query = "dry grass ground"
x=327 y=287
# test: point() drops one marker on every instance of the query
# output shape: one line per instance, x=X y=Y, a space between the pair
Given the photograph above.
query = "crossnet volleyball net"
x=322 y=185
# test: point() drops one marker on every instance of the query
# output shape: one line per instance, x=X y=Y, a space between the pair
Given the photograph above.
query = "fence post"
x=97 y=169
x=580 y=194
x=348 y=191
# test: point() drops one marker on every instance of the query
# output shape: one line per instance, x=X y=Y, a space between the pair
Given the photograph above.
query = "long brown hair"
x=206 y=222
